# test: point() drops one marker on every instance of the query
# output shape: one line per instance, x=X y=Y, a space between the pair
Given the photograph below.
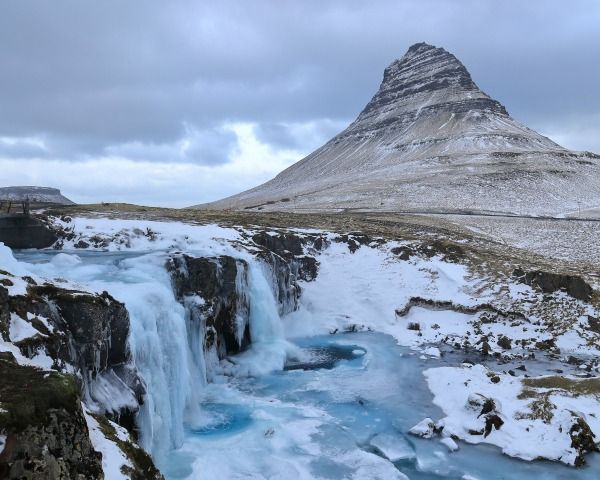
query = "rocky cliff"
x=431 y=140
x=64 y=347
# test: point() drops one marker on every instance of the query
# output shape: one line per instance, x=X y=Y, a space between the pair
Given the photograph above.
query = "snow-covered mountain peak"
x=427 y=75
x=431 y=140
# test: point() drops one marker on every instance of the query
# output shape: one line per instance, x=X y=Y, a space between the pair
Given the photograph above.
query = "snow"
x=364 y=289
x=522 y=436
x=449 y=443
x=2 y=441
x=8 y=262
x=21 y=329
x=10 y=265
x=432 y=351
x=113 y=458
x=142 y=235
x=39 y=360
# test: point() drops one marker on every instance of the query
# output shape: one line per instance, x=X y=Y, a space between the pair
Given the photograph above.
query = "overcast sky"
x=180 y=102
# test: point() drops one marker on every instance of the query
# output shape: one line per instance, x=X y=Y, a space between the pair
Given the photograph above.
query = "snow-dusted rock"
x=425 y=428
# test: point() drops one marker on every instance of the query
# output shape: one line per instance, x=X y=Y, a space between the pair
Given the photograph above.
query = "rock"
x=504 y=342
x=475 y=402
x=82 y=244
x=96 y=326
x=492 y=421
x=281 y=243
x=89 y=334
x=424 y=429
x=549 y=282
x=226 y=310
x=46 y=432
x=20 y=231
x=403 y=252
x=582 y=439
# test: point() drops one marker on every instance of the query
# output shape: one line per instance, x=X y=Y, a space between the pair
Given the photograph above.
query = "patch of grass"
x=584 y=386
x=29 y=394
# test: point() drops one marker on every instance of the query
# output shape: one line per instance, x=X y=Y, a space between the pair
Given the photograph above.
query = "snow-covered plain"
x=347 y=421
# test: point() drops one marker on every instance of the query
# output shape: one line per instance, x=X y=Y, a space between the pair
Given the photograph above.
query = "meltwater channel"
x=330 y=407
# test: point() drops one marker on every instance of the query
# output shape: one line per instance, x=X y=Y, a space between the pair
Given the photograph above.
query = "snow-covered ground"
x=368 y=290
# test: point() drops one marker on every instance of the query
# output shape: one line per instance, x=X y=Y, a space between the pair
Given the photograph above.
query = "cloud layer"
x=181 y=102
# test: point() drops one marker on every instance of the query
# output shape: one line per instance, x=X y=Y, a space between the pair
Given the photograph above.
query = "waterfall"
x=166 y=336
x=159 y=342
x=269 y=349
x=167 y=342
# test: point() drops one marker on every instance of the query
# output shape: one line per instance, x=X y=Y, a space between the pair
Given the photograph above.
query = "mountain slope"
x=431 y=140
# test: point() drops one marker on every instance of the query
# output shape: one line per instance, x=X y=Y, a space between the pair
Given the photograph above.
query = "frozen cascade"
x=167 y=346
x=166 y=341
x=163 y=357
x=269 y=348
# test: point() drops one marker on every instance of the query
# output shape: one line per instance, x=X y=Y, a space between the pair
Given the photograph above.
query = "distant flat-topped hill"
x=35 y=195
x=431 y=140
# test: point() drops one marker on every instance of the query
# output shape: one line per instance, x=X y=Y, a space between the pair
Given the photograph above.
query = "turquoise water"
x=378 y=389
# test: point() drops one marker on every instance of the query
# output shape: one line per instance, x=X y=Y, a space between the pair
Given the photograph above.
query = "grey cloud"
x=298 y=136
x=207 y=147
x=132 y=78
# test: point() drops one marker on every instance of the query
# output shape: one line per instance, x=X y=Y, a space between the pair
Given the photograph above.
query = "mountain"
x=431 y=140
x=35 y=194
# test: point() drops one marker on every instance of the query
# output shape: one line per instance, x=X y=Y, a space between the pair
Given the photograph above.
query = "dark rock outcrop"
x=83 y=331
x=549 y=282
x=21 y=231
x=582 y=439
x=448 y=251
x=47 y=435
x=291 y=259
x=90 y=330
x=226 y=309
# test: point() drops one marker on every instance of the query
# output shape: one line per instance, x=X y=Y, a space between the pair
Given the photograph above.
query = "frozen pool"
x=342 y=413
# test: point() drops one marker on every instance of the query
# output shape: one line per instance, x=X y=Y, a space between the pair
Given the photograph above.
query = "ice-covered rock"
x=425 y=428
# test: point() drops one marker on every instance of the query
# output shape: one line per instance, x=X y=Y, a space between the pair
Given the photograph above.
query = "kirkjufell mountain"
x=431 y=140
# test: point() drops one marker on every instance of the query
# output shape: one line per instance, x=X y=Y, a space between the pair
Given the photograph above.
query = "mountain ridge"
x=430 y=138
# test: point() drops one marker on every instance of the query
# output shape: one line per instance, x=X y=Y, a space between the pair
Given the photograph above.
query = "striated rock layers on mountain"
x=431 y=140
